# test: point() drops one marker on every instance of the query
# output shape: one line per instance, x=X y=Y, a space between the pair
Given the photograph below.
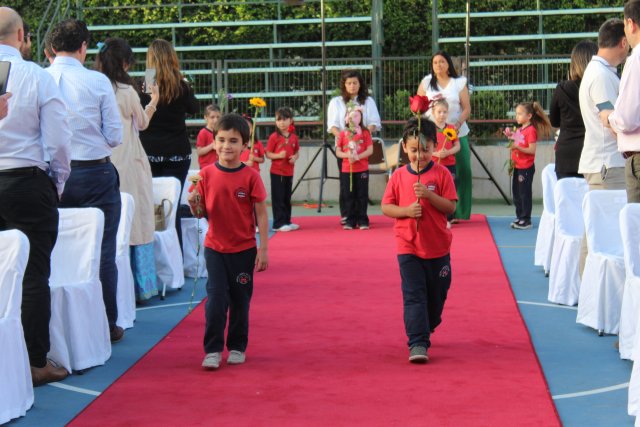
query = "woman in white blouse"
x=352 y=89
x=448 y=85
x=114 y=59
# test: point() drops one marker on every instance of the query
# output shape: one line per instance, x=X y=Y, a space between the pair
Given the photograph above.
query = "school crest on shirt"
x=242 y=193
x=431 y=186
x=243 y=278
x=445 y=271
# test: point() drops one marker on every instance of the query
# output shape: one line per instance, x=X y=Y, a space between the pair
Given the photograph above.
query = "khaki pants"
x=615 y=180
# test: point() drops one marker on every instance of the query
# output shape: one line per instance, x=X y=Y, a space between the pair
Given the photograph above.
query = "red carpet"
x=327 y=346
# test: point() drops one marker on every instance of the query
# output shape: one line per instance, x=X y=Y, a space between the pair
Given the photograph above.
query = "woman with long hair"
x=353 y=93
x=565 y=114
x=445 y=82
x=114 y=59
x=165 y=140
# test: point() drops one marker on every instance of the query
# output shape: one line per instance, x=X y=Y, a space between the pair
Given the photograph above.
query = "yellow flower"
x=450 y=134
x=257 y=102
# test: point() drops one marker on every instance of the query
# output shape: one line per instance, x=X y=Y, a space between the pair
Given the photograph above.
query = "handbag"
x=161 y=214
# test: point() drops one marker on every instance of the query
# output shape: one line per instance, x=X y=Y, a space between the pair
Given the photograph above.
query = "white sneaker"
x=284 y=228
x=211 y=361
x=294 y=227
x=236 y=357
x=257 y=230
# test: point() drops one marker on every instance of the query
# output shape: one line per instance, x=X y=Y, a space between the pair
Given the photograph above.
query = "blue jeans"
x=229 y=289
x=98 y=186
x=425 y=284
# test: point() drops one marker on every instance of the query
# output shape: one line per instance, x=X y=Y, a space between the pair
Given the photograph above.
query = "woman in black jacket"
x=565 y=112
x=165 y=140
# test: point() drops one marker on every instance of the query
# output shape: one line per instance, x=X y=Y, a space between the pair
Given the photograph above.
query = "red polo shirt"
x=277 y=144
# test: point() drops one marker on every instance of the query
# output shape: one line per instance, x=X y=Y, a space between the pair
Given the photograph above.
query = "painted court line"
x=76 y=389
x=516 y=247
x=591 y=392
x=543 y=304
x=168 y=305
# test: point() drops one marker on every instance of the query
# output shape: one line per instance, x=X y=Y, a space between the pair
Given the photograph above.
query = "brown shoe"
x=48 y=374
x=116 y=334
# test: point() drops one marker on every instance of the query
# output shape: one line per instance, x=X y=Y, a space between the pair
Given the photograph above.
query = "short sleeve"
x=201 y=140
x=258 y=192
x=334 y=116
x=461 y=82
x=371 y=114
x=390 y=196
x=271 y=143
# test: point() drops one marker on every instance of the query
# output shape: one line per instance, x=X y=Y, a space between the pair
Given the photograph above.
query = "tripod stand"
x=324 y=174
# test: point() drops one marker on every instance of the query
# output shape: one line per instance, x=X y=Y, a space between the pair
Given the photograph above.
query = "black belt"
x=30 y=170
x=628 y=154
x=83 y=163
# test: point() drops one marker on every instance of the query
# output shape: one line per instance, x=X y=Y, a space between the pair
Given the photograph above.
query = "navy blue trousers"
x=229 y=290
x=98 y=186
x=425 y=284
x=522 y=189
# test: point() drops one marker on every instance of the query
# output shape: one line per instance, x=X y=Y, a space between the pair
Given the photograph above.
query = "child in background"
x=533 y=122
x=354 y=146
x=283 y=149
x=419 y=196
x=253 y=159
x=447 y=147
x=229 y=191
x=205 y=146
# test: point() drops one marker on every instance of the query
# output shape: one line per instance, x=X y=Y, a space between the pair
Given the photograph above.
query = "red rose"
x=291 y=128
x=419 y=104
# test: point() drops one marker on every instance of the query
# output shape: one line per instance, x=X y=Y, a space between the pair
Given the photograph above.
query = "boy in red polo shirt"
x=419 y=196
x=229 y=191
x=205 y=146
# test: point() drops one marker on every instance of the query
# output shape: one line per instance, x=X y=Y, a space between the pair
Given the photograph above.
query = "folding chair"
x=603 y=278
x=78 y=329
x=166 y=247
x=544 y=239
x=564 y=277
x=629 y=314
x=194 y=264
x=16 y=390
x=126 y=293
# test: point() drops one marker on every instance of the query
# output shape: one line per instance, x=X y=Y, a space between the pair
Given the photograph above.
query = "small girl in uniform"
x=205 y=146
x=283 y=149
x=448 y=142
x=249 y=158
x=354 y=147
x=533 y=123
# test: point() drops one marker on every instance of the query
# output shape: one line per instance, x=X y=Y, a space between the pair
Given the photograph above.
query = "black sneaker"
x=418 y=354
x=514 y=222
x=522 y=225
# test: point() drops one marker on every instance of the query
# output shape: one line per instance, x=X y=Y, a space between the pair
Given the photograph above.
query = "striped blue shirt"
x=92 y=109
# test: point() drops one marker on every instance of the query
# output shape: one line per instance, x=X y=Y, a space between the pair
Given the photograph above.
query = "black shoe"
x=522 y=225
x=117 y=333
x=514 y=222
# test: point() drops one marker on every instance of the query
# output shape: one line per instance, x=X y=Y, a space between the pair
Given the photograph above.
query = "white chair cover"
x=193 y=265
x=16 y=391
x=79 y=329
x=126 y=294
x=564 y=275
x=629 y=314
x=169 y=263
x=544 y=239
x=602 y=283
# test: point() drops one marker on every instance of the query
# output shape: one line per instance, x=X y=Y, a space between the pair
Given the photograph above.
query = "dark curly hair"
x=69 y=35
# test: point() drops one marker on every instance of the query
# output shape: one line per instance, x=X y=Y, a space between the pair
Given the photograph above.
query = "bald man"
x=34 y=166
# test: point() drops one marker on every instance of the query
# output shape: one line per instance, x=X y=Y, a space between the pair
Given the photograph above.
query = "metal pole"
x=467 y=45
x=323 y=71
x=435 y=28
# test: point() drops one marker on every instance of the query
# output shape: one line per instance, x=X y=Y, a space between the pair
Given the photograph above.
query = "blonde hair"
x=539 y=118
x=163 y=58
x=580 y=58
x=440 y=101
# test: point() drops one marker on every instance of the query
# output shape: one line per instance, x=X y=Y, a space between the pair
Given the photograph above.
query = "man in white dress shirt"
x=4 y=105
x=35 y=131
x=96 y=128
x=625 y=120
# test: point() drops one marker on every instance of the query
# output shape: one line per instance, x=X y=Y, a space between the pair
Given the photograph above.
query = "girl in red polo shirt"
x=448 y=142
x=419 y=196
x=533 y=122
x=354 y=148
x=283 y=150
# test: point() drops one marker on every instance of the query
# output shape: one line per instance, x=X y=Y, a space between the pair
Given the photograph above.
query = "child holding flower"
x=228 y=192
x=283 y=149
x=252 y=156
x=448 y=142
x=421 y=192
x=533 y=122
x=205 y=146
x=354 y=147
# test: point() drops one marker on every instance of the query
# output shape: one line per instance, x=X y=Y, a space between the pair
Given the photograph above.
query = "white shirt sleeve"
x=111 y=123
x=625 y=117
x=371 y=114
x=335 y=114
x=55 y=132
